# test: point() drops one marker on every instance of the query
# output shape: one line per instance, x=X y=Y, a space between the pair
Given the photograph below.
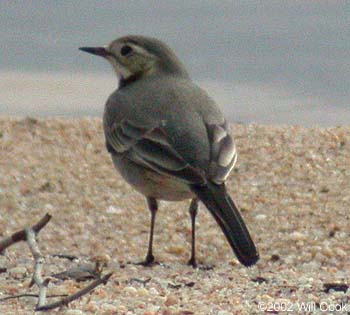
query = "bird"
x=169 y=140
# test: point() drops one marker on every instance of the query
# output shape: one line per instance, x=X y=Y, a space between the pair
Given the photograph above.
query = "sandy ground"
x=292 y=184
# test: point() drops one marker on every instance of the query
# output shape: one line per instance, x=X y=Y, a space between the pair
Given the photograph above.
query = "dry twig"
x=38 y=267
x=29 y=235
x=17 y=296
x=76 y=295
x=21 y=235
x=65 y=256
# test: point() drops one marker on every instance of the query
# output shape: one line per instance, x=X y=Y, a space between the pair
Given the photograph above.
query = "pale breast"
x=150 y=183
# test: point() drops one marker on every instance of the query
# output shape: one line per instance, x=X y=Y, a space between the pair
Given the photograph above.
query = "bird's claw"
x=148 y=262
x=192 y=262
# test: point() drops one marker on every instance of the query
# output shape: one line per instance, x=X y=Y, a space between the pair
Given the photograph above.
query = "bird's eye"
x=125 y=50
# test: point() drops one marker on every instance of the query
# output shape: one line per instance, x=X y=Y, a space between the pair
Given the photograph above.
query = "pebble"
x=58 y=289
x=153 y=291
x=92 y=307
x=108 y=308
x=297 y=236
x=73 y=312
x=48 y=207
x=265 y=297
x=260 y=217
x=114 y=210
x=340 y=252
x=143 y=292
x=18 y=272
x=130 y=290
x=175 y=249
x=3 y=261
x=170 y=300
x=122 y=309
x=328 y=252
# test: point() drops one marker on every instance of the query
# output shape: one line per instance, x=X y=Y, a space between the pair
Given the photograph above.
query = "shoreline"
x=67 y=94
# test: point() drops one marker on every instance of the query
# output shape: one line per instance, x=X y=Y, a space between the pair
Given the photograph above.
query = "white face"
x=120 y=70
x=128 y=59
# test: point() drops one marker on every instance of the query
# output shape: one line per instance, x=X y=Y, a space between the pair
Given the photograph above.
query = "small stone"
x=260 y=217
x=73 y=312
x=328 y=252
x=18 y=272
x=265 y=297
x=170 y=300
x=122 y=308
x=297 y=236
x=224 y=313
x=143 y=292
x=89 y=147
x=340 y=252
x=3 y=261
x=58 y=290
x=324 y=190
x=114 y=210
x=48 y=207
x=91 y=307
x=130 y=290
x=153 y=291
x=109 y=309
x=275 y=257
x=174 y=249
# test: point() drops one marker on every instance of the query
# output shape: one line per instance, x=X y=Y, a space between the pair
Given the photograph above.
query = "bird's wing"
x=149 y=146
x=223 y=155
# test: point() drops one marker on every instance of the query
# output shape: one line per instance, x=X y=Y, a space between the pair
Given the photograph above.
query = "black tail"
x=229 y=219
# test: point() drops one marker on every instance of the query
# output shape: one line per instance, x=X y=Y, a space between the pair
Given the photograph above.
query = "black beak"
x=98 y=51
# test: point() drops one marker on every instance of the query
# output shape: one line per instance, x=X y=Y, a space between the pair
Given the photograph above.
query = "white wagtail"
x=169 y=139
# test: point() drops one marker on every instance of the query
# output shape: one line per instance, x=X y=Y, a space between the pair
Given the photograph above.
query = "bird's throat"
x=123 y=82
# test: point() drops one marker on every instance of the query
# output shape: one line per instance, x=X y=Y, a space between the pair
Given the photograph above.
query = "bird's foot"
x=192 y=262
x=148 y=262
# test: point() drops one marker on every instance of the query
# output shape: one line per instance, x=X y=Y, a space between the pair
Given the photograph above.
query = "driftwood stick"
x=76 y=295
x=21 y=235
x=39 y=261
x=29 y=235
x=17 y=296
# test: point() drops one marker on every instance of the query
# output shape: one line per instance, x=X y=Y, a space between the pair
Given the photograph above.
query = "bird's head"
x=136 y=57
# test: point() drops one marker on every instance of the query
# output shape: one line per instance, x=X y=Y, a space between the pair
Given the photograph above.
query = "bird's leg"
x=153 y=207
x=193 y=213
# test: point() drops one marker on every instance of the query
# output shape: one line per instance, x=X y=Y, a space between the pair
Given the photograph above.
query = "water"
x=267 y=62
